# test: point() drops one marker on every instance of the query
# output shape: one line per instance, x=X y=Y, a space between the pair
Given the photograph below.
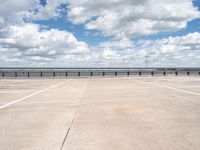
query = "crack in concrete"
x=72 y=121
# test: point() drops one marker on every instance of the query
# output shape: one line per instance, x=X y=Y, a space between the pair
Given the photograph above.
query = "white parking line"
x=28 y=96
x=180 y=90
x=172 y=88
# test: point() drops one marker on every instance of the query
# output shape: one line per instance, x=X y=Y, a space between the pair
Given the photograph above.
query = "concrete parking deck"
x=135 y=113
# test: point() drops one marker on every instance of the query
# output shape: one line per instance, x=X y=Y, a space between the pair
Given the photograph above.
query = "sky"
x=99 y=33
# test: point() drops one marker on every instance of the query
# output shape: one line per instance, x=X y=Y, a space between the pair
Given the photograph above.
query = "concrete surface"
x=136 y=113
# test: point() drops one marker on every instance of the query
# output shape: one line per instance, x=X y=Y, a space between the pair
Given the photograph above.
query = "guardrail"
x=94 y=72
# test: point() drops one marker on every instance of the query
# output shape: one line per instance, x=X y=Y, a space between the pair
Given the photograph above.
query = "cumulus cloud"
x=122 y=43
x=167 y=52
x=30 y=42
x=50 y=10
x=114 y=17
x=20 y=11
x=61 y=48
x=23 y=43
x=172 y=51
x=12 y=11
x=132 y=17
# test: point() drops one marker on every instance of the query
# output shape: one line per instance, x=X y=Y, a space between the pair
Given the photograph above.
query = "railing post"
x=188 y=72
x=103 y=73
x=128 y=73
x=79 y=73
x=91 y=74
x=41 y=74
x=28 y=74
x=176 y=73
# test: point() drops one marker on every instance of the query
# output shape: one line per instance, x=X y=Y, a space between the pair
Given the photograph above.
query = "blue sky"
x=115 y=33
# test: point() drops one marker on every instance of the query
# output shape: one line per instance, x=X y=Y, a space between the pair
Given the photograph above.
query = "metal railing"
x=94 y=72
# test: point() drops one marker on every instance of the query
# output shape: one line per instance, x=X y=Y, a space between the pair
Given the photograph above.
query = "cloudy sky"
x=99 y=33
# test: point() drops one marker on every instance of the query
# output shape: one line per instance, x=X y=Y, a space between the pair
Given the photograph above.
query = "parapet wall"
x=94 y=72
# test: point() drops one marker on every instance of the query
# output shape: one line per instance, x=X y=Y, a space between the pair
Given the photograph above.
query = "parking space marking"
x=28 y=96
x=172 y=88
x=177 y=89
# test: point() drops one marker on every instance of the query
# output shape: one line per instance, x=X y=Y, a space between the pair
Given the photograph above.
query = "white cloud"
x=50 y=10
x=132 y=17
x=109 y=54
x=32 y=43
x=15 y=11
x=28 y=44
x=122 y=43
x=174 y=51
x=114 y=17
x=167 y=52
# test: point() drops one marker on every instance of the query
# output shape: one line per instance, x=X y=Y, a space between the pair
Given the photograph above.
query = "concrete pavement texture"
x=125 y=113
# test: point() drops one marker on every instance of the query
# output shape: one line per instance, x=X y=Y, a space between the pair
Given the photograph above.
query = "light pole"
x=146 y=59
